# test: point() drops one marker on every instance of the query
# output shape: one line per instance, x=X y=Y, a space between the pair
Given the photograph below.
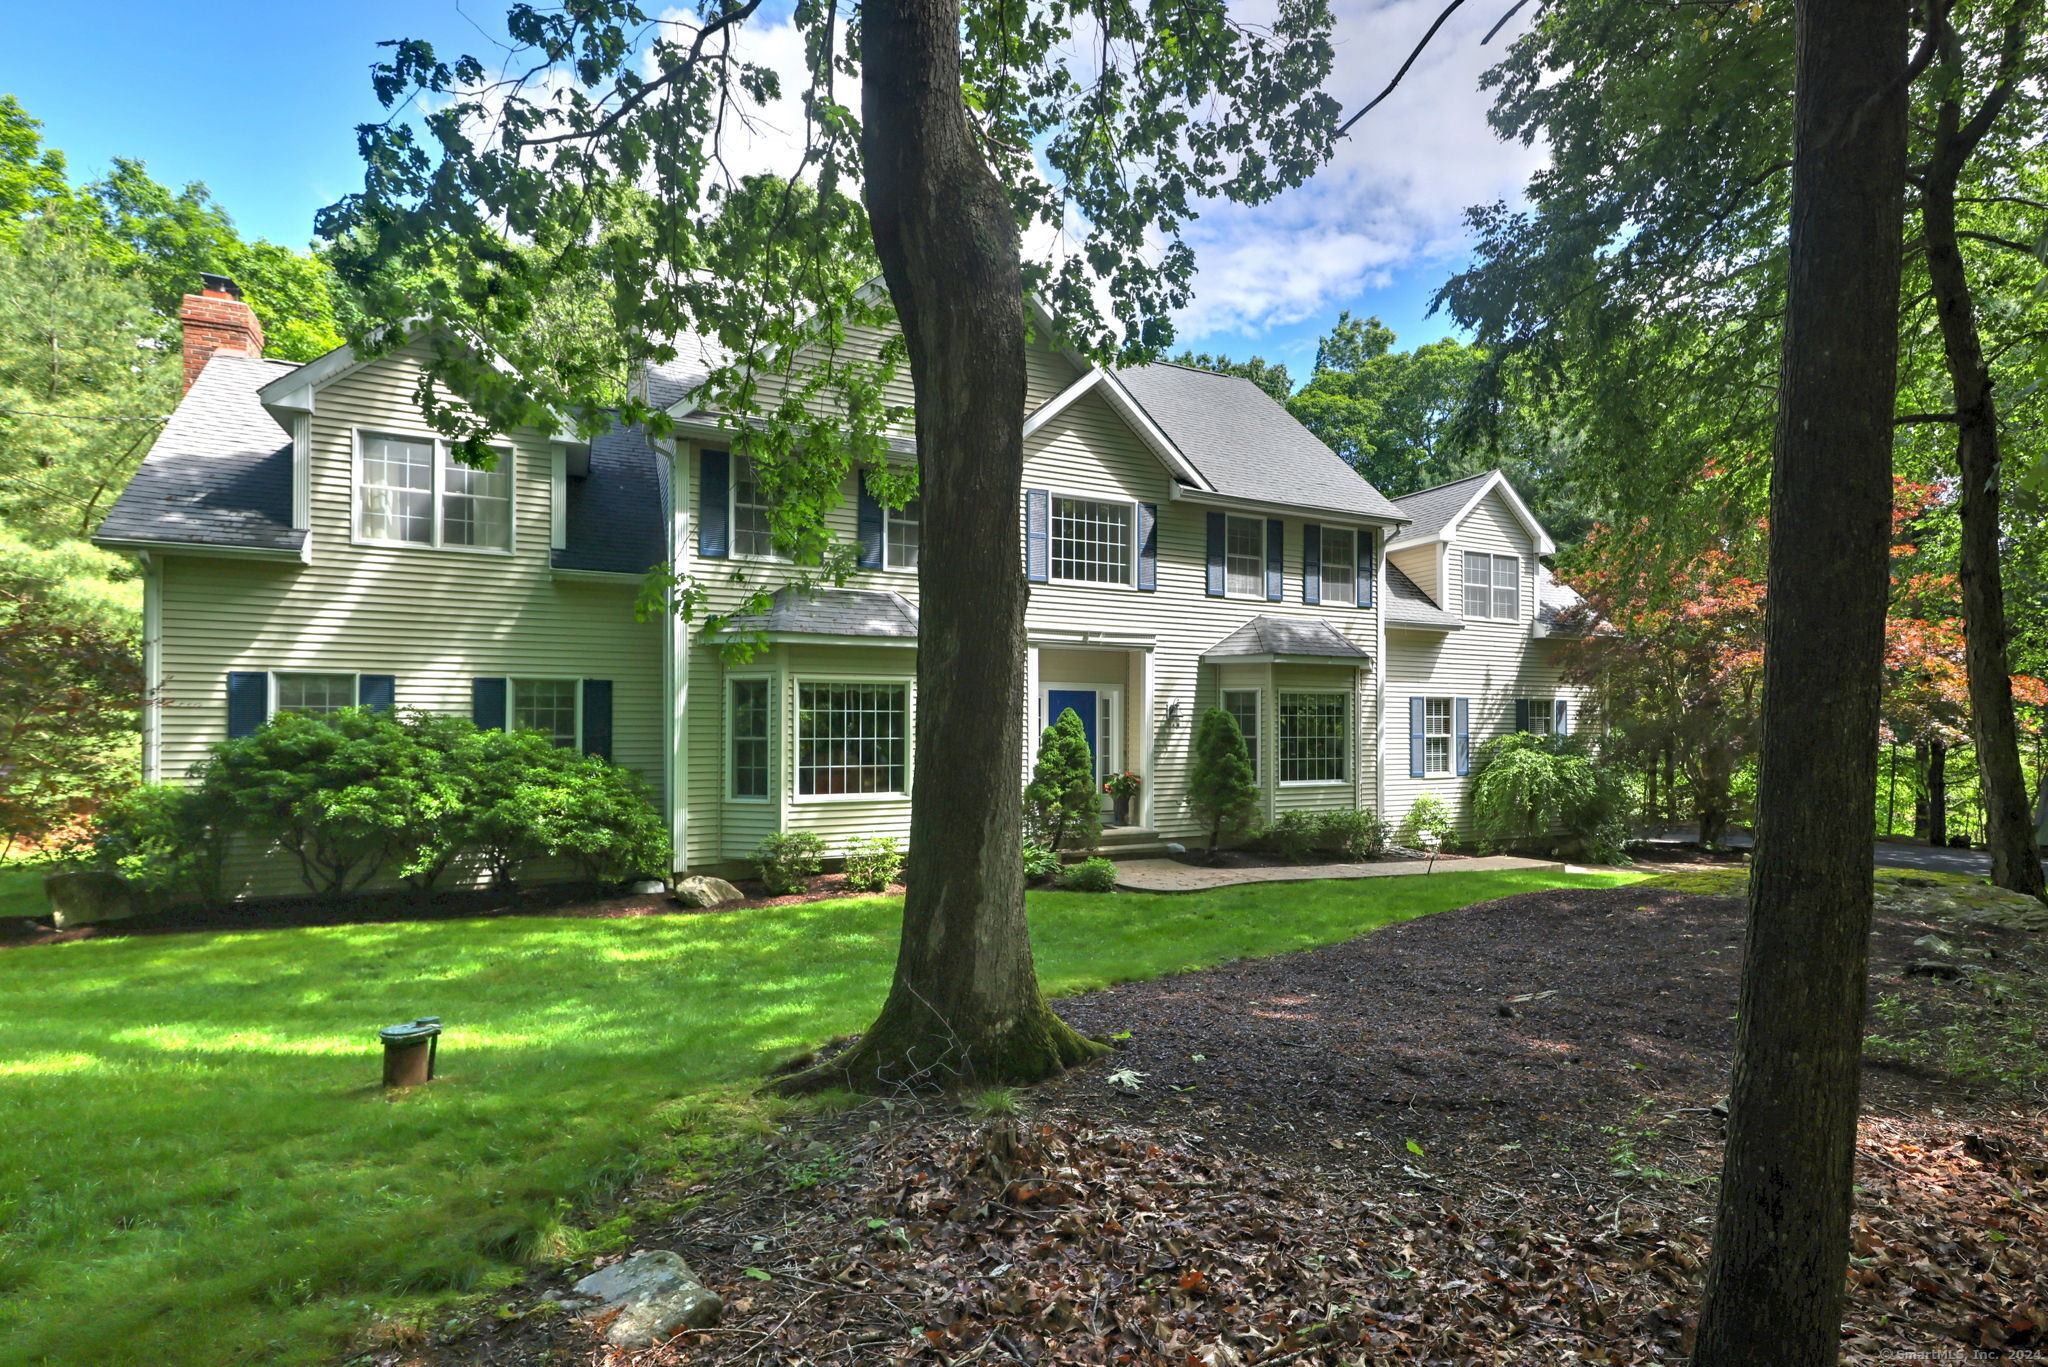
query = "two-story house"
x=307 y=543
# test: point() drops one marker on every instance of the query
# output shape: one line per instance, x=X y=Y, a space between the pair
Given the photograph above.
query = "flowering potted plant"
x=1121 y=789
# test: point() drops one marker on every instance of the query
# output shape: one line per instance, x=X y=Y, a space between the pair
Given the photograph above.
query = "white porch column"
x=1030 y=718
x=1141 y=721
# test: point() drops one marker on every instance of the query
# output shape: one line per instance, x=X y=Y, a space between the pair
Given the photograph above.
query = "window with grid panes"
x=1244 y=557
x=1243 y=706
x=901 y=535
x=1340 y=565
x=1311 y=737
x=314 y=694
x=417 y=493
x=851 y=738
x=1493 y=586
x=547 y=706
x=1436 y=735
x=1542 y=715
x=750 y=738
x=750 y=529
x=1091 y=541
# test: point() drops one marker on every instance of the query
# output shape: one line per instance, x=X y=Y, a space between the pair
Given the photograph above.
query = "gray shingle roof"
x=220 y=473
x=1408 y=606
x=1246 y=445
x=1285 y=636
x=615 y=512
x=1429 y=510
x=670 y=382
x=878 y=613
x=1557 y=606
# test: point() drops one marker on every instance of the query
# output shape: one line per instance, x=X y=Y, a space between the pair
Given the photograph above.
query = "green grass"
x=21 y=891
x=197 y=1167
x=1734 y=882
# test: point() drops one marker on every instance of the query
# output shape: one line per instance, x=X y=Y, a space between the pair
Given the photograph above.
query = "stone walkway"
x=1170 y=875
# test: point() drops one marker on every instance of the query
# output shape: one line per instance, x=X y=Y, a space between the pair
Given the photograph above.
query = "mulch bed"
x=1485 y=1136
x=373 y=908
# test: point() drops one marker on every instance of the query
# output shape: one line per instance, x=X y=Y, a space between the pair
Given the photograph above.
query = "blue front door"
x=1082 y=700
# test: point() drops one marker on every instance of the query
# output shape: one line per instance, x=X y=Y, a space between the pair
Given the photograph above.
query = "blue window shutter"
x=1216 y=533
x=1464 y=726
x=1311 y=563
x=1148 y=546
x=714 y=508
x=378 y=692
x=1037 y=535
x=870 y=529
x=1563 y=724
x=1415 y=766
x=1521 y=714
x=487 y=704
x=597 y=718
x=1368 y=565
x=1276 y=547
x=248 y=702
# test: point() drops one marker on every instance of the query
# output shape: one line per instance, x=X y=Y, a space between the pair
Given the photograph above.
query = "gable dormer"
x=1474 y=547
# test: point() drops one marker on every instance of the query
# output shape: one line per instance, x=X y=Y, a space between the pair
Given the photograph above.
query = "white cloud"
x=1393 y=197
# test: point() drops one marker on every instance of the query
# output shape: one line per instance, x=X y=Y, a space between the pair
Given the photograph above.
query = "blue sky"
x=260 y=101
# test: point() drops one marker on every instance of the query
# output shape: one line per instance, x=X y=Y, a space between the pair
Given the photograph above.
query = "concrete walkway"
x=1170 y=875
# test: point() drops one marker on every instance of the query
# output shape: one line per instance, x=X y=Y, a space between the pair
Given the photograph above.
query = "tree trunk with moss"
x=965 y=1006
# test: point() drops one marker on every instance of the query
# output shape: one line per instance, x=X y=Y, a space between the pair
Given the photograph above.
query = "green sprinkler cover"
x=411 y=1032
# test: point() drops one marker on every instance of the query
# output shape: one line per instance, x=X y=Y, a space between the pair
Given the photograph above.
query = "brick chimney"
x=218 y=320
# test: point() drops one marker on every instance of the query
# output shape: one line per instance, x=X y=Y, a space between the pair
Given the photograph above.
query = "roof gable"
x=1435 y=513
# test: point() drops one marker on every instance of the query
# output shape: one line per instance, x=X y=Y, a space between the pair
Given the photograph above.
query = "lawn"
x=197 y=1167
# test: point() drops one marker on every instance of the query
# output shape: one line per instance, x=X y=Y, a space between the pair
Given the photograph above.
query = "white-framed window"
x=553 y=707
x=1493 y=585
x=1243 y=706
x=1340 y=565
x=852 y=739
x=411 y=491
x=1437 y=716
x=751 y=746
x=1542 y=716
x=1091 y=540
x=315 y=695
x=1244 y=557
x=751 y=534
x=1312 y=733
x=900 y=536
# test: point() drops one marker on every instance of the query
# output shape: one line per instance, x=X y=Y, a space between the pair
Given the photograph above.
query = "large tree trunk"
x=2008 y=825
x=965 y=1007
x=1781 y=1236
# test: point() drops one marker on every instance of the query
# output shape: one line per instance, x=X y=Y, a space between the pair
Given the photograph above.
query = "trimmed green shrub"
x=873 y=862
x=1090 y=875
x=1293 y=836
x=1222 y=789
x=330 y=790
x=1039 y=862
x=1428 y=817
x=788 y=860
x=1527 y=787
x=602 y=819
x=1061 y=807
x=169 y=842
x=1352 y=834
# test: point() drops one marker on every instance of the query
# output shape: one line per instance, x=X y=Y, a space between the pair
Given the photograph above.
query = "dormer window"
x=1493 y=586
x=411 y=491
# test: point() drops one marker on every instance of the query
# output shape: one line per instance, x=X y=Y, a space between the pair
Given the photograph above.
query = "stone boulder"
x=81 y=898
x=700 y=890
x=1969 y=903
x=648 y=1296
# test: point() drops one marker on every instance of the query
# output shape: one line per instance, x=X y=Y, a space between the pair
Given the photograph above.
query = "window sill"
x=1315 y=783
x=828 y=799
x=751 y=801
x=1092 y=584
x=368 y=543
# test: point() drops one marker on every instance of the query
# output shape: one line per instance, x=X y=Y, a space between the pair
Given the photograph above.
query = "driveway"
x=1887 y=854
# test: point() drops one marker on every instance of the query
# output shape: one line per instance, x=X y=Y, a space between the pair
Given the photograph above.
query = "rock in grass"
x=700 y=890
x=649 y=1296
x=87 y=896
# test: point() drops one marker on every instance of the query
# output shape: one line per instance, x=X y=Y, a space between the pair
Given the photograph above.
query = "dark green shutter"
x=1521 y=714
x=597 y=718
x=871 y=528
x=1416 y=767
x=1216 y=537
x=248 y=702
x=1148 y=546
x=378 y=692
x=487 y=704
x=714 y=509
x=1311 y=563
x=1276 y=550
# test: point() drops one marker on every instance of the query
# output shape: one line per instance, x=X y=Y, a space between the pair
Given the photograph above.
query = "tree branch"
x=1447 y=12
x=1997 y=241
x=640 y=96
x=1913 y=419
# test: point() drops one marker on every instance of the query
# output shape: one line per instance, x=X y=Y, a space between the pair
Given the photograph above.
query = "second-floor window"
x=1493 y=585
x=414 y=492
x=1340 y=565
x=1244 y=557
x=901 y=535
x=751 y=534
x=1091 y=541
